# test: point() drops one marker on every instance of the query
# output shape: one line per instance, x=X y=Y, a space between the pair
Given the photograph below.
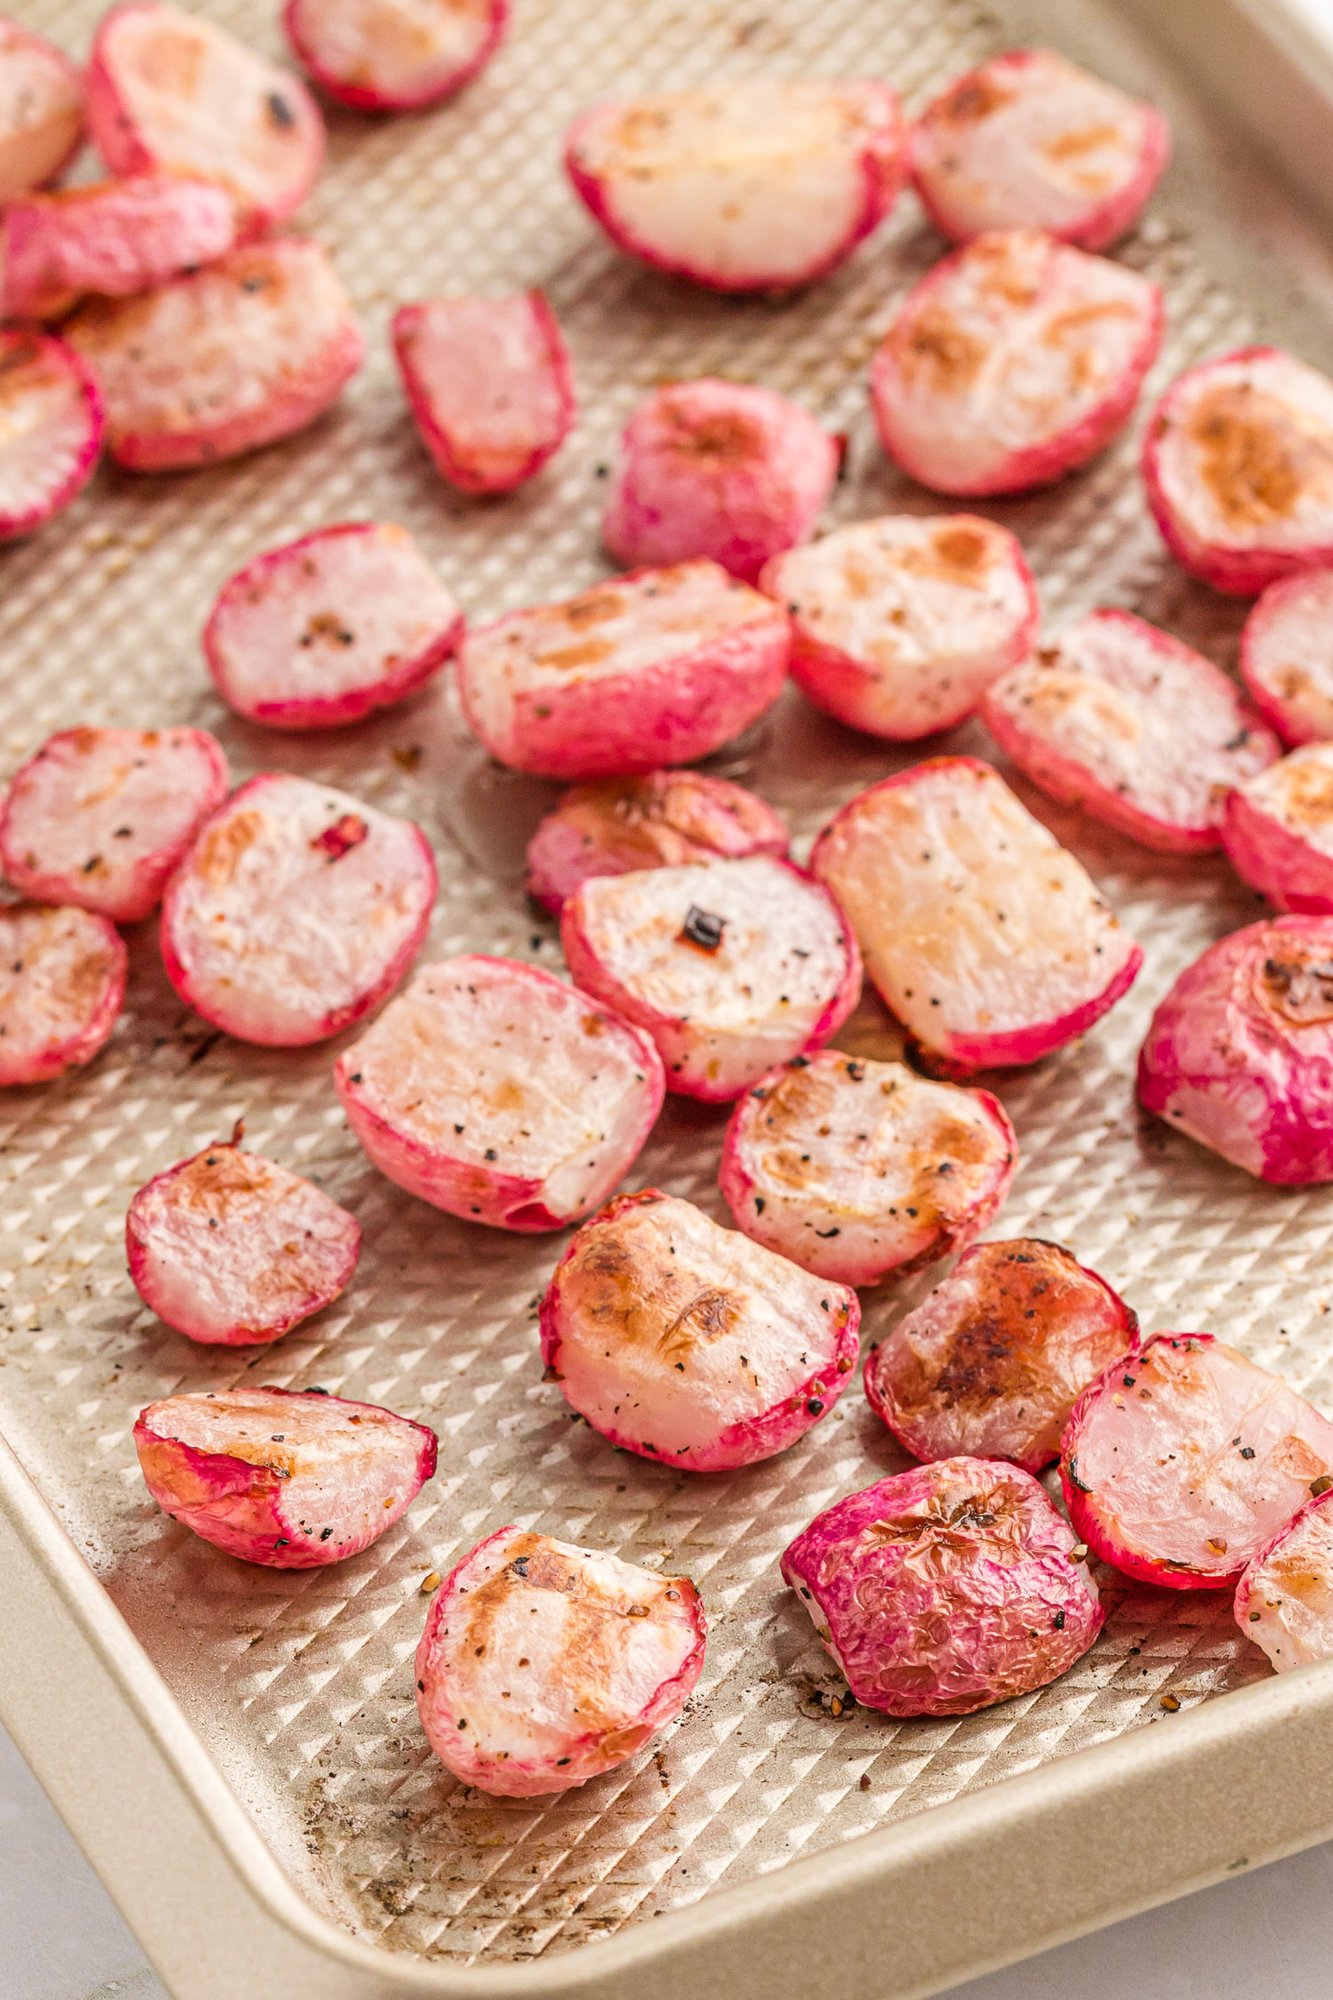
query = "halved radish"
x=394 y=55
x=660 y=667
x=1179 y=1464
x=945 y=1589
x=983 y=935
x=51 y=427
x=326 y=629
x=543 y=1665
x=1013 y=362
x=490 y=385
x=234 y=1250
x=222 y=361
x=1029 y=140
x=295 y=911
x=1132 y=726
x=1286 y=655
x=501 y=1094
x=288 y=1478
x=690 y=1344
x=1238 y=464
x=730 y=966
x=855 y=1169
x=41 y=110
x=746 y=187
x=1284 y=1601
x=62 y=983
x=899 y=625
x=114 y=239
x=993 y=1360
x=720 y=469
x=1277 y=829
x=167 y=89
x=101 y=817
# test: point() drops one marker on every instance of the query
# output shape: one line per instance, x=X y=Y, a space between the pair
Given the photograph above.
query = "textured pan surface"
x=302 y=1686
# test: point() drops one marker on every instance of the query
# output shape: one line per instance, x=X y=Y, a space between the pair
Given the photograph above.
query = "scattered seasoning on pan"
x=430 y=1583
x=1171 y=1702
x=703 y=928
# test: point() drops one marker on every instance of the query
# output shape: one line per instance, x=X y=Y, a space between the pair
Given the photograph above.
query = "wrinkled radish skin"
x=991 y=1363
x=295 y=911
x=1012 y=363
x=1030 y=140
x=855 y=1169
x=1277 y=829
x=1133 y=727
x=982 y=934
x=490 y=386
x=233 y=1250
x=114 y=239
x=687 y=1343
x=290 y=1479
x=51 y=428
x=501 y=1094
x=62 y=984
x=543 y=1665
x=661 y=667
x=946 y=1589
x=1181 y=1464
x=393 y=55
x=753 y=186
x=719 y=469
x=41 y=110
x=101 y=817
x=1284 y=1601
x=1239 y=1054
x=1286 y=656
x=901 y=624
x=325 y=630
x=730 y=966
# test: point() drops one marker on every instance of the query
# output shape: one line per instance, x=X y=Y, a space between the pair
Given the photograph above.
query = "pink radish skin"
x=501 y=1094
x=41 y=110
x=222 y=361
x=857 y=1170
x=900 y=624
x=296 y=910
x=730 y=966
x=657 y=668
x=62 y=986
x=101 y=817
x=51 y=429
x=946 y=1589
x=1181 y=1462
x=924 y=864
x=689 y=1344
x=991 y=1363
x=490 y=386
x=1286 y=656
x=1277 y=829
x=114 y=239
x=657 y=821
x=1284 y=1601
x=1133 y=727
x=747 y=187
x=323 y=631
x=287 y=1478
x=1239 y=1054
x=543 y=1665
x=1013 y=362
x=1030 y=140
x=719 y=469
x=393 y=55
x=169 y=91
x=233 y=1250
x=1238 y=466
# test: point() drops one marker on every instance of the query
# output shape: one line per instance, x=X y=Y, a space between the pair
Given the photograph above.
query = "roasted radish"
x=113 y=239
x=720 y=469
x=295 y=911
x=730 y=966
x=543 y=1665
x=746 y=187
x=62 y=982
x=324 y=630
x=1133 y=727
x=991 y=1363
x=101 y=817
x=501 y=1094
x=899 y=625
x=1284 y=1601
x=658 y=668
x=1277 y=829
x=490 y=386
x=690 y=1344
x=41 y=110
x=1013 y=362
x=51 y=427
x=1286 y=655
x=855 y=1169
x=983 y=935
x=393 y=55
x=1180 y=1463
x=946 y=1589
x=287 y=1478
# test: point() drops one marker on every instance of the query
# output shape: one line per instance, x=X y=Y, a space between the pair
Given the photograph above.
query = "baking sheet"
x=301 y=1686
